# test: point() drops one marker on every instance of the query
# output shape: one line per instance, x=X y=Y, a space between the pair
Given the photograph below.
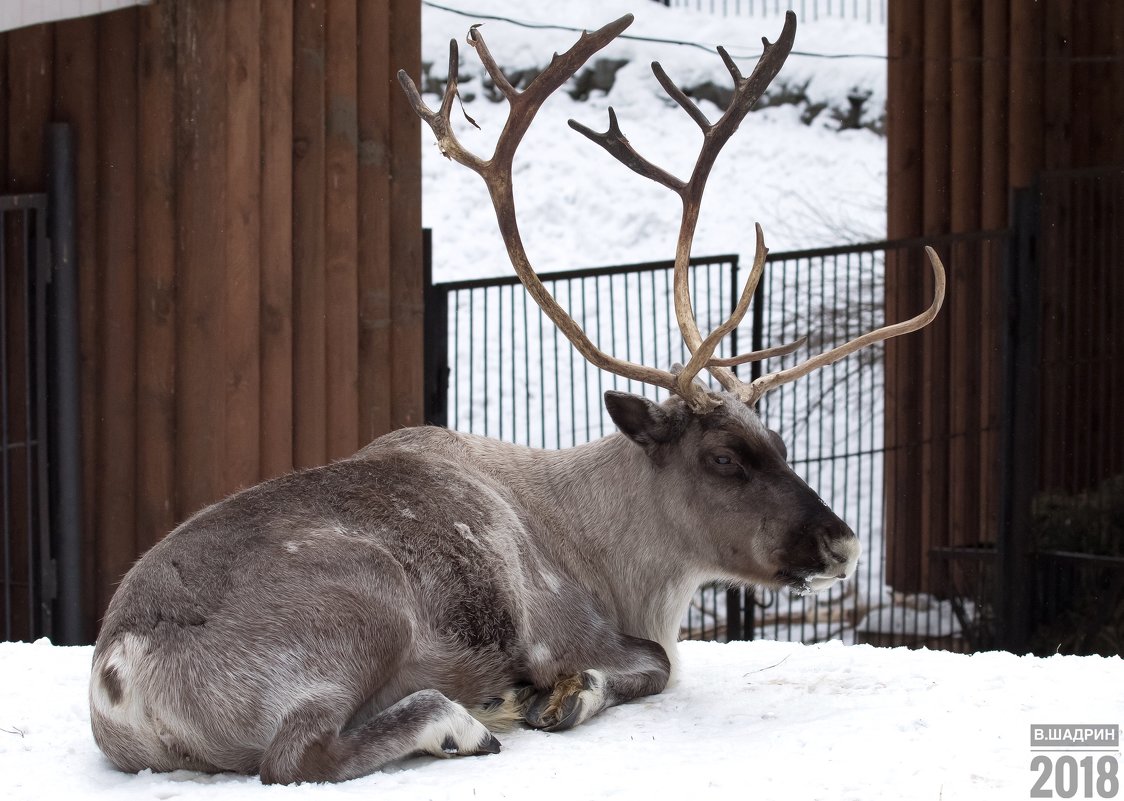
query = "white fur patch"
x=466 y=532
x=592 y=700
x=552 y=582
x=454 y=723
x=123 y=657
x=539 y=654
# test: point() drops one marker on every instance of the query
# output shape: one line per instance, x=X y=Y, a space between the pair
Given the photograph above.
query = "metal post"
x=436 y=340
x=1014 y=570
x=739 y=615
x=63 y=390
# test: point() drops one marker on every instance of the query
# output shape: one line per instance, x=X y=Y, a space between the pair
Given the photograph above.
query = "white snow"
x=809 y=186
x=762 y=721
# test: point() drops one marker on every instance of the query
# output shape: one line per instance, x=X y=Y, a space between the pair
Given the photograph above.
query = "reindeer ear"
x=639 y=419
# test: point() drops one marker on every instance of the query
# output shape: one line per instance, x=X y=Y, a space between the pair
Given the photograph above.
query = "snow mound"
x=761 y=720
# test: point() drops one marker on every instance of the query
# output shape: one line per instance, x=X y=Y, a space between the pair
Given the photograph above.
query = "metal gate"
x=40 y=484
x=28 y=581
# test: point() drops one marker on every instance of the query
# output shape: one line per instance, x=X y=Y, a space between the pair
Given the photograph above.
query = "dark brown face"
x=727 y=479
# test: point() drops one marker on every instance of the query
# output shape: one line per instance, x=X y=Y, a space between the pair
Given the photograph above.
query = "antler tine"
x=439 y=121
x=701 y=356
x=525 y=104
x=619 y=147
x=752 y=392
x=476 y=40
x=680 y=97
x=759 y=355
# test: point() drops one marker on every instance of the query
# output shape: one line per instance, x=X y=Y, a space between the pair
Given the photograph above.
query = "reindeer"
x=437 y=586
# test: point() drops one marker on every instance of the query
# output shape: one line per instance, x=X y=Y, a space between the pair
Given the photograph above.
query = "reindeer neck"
x=604 y=522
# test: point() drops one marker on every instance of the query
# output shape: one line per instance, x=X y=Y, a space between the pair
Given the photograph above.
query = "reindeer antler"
x=747 y=91
x=497 y=172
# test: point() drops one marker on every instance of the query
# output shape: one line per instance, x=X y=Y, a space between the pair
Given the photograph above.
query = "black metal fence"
x=511 y=375
x=24 y=262
x=40 y=482
x=871 y=11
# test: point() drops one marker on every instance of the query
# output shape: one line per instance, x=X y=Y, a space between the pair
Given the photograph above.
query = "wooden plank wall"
x=1082 y=335
x=249 y=243
x=981 y=98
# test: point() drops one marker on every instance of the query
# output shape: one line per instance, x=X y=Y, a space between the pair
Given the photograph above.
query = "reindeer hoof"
x=459 y=734
x=571 y=701
x=489 y=745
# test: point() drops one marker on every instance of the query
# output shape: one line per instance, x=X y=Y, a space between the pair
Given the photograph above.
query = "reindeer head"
x=714 y=454
x=723 y=478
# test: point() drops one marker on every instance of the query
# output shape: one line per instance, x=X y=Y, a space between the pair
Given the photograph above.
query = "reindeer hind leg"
x=306 y=749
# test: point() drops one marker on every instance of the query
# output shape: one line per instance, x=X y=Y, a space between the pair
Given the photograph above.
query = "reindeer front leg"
x=633 y=668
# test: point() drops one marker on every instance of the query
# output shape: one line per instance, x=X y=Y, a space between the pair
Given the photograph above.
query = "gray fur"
x=320 y=625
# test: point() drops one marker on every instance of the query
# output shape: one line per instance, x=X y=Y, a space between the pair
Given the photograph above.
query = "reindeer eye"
x=724 y=462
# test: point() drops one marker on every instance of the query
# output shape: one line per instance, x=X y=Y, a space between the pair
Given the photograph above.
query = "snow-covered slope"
x=748 y=720
x=809 y=185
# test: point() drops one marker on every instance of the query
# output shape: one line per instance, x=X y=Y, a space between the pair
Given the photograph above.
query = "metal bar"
x=585 y=272
x=1018 y=437
x=471 y=357
x=436 y=340
x=739 y=620
x=472 y=365
x=28 y=434
x=456 y=355
x=526 y=370
x=5 y=441
x=1084 y=558
x=40 y=276
x=64 y=391
x=30 y=200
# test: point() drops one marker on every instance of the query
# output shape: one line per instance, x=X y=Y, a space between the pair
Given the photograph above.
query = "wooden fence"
x=981 y=97
x=249 y=242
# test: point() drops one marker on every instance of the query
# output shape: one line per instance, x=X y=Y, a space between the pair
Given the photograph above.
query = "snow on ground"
x=758 y=720
x=808 y=185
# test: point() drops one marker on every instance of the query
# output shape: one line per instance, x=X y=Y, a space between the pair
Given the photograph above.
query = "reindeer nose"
x=842 y=548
